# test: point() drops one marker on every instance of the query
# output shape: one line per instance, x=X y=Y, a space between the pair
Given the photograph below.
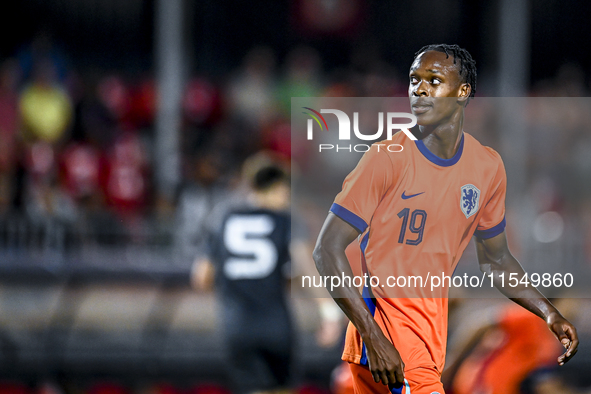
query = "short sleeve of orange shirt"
x=493 y=217
x=364 y=188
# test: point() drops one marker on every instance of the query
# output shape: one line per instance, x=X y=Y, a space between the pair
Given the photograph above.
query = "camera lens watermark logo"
x=344 y=129
x=316 y=119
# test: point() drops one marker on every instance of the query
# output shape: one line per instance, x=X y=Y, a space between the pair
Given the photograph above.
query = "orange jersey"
x=417 y=213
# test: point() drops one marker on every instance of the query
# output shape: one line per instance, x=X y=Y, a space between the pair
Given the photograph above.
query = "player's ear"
x=465 y=90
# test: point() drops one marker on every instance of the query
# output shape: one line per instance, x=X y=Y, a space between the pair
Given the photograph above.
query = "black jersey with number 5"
x=251 y=253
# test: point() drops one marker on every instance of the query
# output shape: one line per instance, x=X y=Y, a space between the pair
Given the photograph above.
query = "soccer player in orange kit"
x=415 y=211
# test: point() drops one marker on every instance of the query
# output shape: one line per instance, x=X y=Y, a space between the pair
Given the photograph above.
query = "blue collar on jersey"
x=438 y=160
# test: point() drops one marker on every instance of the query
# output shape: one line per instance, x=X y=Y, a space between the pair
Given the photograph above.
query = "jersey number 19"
x=412 y=226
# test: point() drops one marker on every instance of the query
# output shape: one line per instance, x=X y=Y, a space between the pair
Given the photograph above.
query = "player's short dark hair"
x=467 y=63
x=268 y=176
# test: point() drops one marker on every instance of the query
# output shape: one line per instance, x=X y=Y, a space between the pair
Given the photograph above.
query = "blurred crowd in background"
x=78 y=147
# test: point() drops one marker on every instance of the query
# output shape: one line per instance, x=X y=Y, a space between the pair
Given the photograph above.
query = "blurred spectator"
x=45 y=106
x=302 y=77
x=44 y=198
x=125 y=179
x=202 y=102
x=80 y=167
x=142 y=105
x=250 y=91
x=113 y=93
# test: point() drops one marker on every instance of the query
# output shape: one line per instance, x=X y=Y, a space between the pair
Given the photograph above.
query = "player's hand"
x=566 y=334
x=384 y=360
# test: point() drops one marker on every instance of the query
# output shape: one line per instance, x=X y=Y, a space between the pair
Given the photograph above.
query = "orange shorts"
x=416 y=381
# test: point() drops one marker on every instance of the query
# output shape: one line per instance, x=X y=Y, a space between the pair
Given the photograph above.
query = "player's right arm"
x=336 y=234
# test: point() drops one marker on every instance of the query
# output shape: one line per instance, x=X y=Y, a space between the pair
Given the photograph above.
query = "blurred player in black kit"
x=248 y=262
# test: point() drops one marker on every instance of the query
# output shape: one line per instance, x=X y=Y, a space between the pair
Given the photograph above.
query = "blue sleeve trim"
x=349 y=217
x=491 y=232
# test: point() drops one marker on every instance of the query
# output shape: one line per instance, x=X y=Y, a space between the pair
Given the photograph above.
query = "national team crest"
x=469 y=200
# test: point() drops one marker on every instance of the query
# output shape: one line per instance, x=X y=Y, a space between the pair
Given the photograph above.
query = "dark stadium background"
x=94 y=289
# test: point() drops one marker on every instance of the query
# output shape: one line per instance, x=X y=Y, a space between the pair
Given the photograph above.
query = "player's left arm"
x=494 y=257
